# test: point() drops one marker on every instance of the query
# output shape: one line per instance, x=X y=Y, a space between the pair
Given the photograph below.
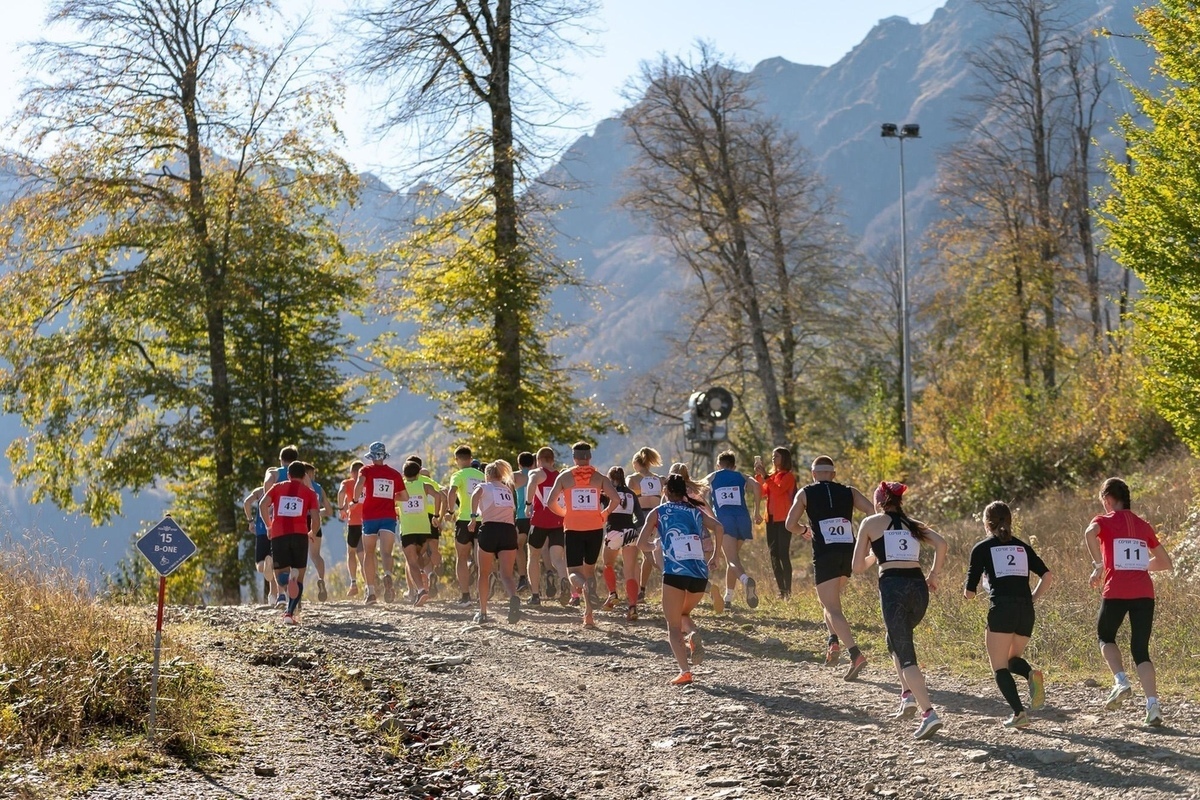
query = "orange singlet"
x=583 y=503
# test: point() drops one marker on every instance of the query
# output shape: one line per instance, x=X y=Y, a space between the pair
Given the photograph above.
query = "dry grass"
x=76 y=675
x=1064 y=644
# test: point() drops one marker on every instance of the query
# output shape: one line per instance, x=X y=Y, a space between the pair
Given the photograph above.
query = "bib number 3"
x=901 y=545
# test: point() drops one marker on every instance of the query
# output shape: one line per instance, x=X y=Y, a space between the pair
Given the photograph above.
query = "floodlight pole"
x=905 y=132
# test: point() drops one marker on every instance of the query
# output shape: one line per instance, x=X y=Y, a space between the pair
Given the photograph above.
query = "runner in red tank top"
x=545 y=533
x=584 y=498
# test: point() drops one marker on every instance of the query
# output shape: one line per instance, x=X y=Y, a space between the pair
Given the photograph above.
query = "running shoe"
x=574 y=601
x=681 y=680
x=751 y=593
x=550 y=584
x=833 y=655
x=281 y=600
x=1154 y=715
x=696 y=648
x=564 y=591
x=631 y=614
x=856 y=666
x=930 y=724
x=514 y=609
x=465 y=600
x=480 y=618
x=433 y=586
x=1037 y=690
x=421 y=597
x=1017 y=721
x=535 y=600
x=288 y=619
x=1117 y=696
x=642 y=595
x=353 y=590
x=908 y=706
x=371 y=599
x=522 y=583
x=611 y=601
x=718 y=603
x=589 y=622
x=322 y=595
x=389 y=593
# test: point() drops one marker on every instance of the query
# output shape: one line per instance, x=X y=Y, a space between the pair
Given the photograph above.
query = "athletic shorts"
x=290 y=551
x=583 y=547
x=495 y=537
x=354 y=536
x=540 y=537
x=686 y=583
x=462 y=532
x=523 y=525
x=1011 y=615
x=738 y=526
x=374 y=527
x=318 y=533
x=832 y=563
x=262 y=548
x=435 y=527
x=615 y=540
x=413 y=539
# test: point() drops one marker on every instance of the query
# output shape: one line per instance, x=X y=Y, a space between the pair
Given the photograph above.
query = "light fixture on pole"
x=889 y=130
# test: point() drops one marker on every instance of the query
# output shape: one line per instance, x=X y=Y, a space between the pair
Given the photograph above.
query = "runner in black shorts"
x=830 y=508
x=1007 y=562
x=546 y=544
x=494 y=504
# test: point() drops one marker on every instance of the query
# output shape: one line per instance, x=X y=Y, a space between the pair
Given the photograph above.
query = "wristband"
x=1097 y=565
x=474 y=516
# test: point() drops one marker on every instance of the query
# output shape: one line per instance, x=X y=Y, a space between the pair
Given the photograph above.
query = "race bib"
x=728 y=496
x=415 y=504
x=838 y=530
x=1010 y=561
x=650 y=487
x=546 y=497
x=901 y=545
x=1131 y=554
x=384 y=488
x=472 y=485
x=628 y=501
x=687 y=547
x=502 y=497
x=289 y=507
x=585 y=499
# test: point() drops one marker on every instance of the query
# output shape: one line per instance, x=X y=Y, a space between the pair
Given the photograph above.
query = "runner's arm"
x=609 y=491
x=1160 y=560
x=1091 y=540
x=756 y=490
x=861 y=502
x=556 y=503
x=264 y=508
x=649 y=529
x=718 y=532
x=476 y=500
x=862 y=557
x=939 y=558
x=270 y=479
x=793 y=522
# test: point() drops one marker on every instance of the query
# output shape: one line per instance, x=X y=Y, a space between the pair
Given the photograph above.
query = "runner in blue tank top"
x=730 y=492
x=684 y=550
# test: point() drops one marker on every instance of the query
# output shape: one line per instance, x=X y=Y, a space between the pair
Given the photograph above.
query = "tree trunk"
x=507 y=319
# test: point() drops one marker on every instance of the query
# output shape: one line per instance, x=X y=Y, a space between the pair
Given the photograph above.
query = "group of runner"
x=538 y=520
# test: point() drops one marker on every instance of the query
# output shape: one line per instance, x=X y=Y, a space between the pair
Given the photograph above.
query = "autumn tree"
x=470 y=79
x=1151 y=213
x=169 y=226
x=748 y=217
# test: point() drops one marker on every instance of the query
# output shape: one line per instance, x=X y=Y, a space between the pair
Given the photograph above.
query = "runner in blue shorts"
x=730 y=492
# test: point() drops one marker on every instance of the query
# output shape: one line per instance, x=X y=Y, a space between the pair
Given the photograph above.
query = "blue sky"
x=804 y=31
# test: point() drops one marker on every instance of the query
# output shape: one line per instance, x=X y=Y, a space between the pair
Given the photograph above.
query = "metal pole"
x=907 y=354
x=162 y=592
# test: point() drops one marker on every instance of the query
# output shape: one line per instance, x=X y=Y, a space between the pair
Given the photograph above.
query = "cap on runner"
x=377 y=451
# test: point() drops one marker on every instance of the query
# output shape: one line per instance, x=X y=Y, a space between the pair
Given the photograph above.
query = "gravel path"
x=399 y=702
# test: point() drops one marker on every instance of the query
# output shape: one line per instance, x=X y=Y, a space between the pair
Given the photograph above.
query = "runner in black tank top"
x=830 y=508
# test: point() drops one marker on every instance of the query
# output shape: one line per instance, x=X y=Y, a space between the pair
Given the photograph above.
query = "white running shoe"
x=1120 y=692
x=930 y=724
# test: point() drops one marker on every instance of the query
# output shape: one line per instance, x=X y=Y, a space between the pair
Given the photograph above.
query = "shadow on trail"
x=1092 y=773
x=789 y=706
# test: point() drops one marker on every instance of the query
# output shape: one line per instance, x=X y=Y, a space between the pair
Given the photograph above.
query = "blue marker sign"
x=166 y=546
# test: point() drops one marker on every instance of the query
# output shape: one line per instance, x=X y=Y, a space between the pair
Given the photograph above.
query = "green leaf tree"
x=1151 y=213
x=170 y=311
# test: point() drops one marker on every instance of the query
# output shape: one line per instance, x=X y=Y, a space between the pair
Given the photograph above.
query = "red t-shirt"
x=1125 y=543
x=381 y=486
x=779 y=490
x=291 y=503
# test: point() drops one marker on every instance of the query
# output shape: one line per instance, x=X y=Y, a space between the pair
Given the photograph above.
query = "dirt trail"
x=543 y=709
